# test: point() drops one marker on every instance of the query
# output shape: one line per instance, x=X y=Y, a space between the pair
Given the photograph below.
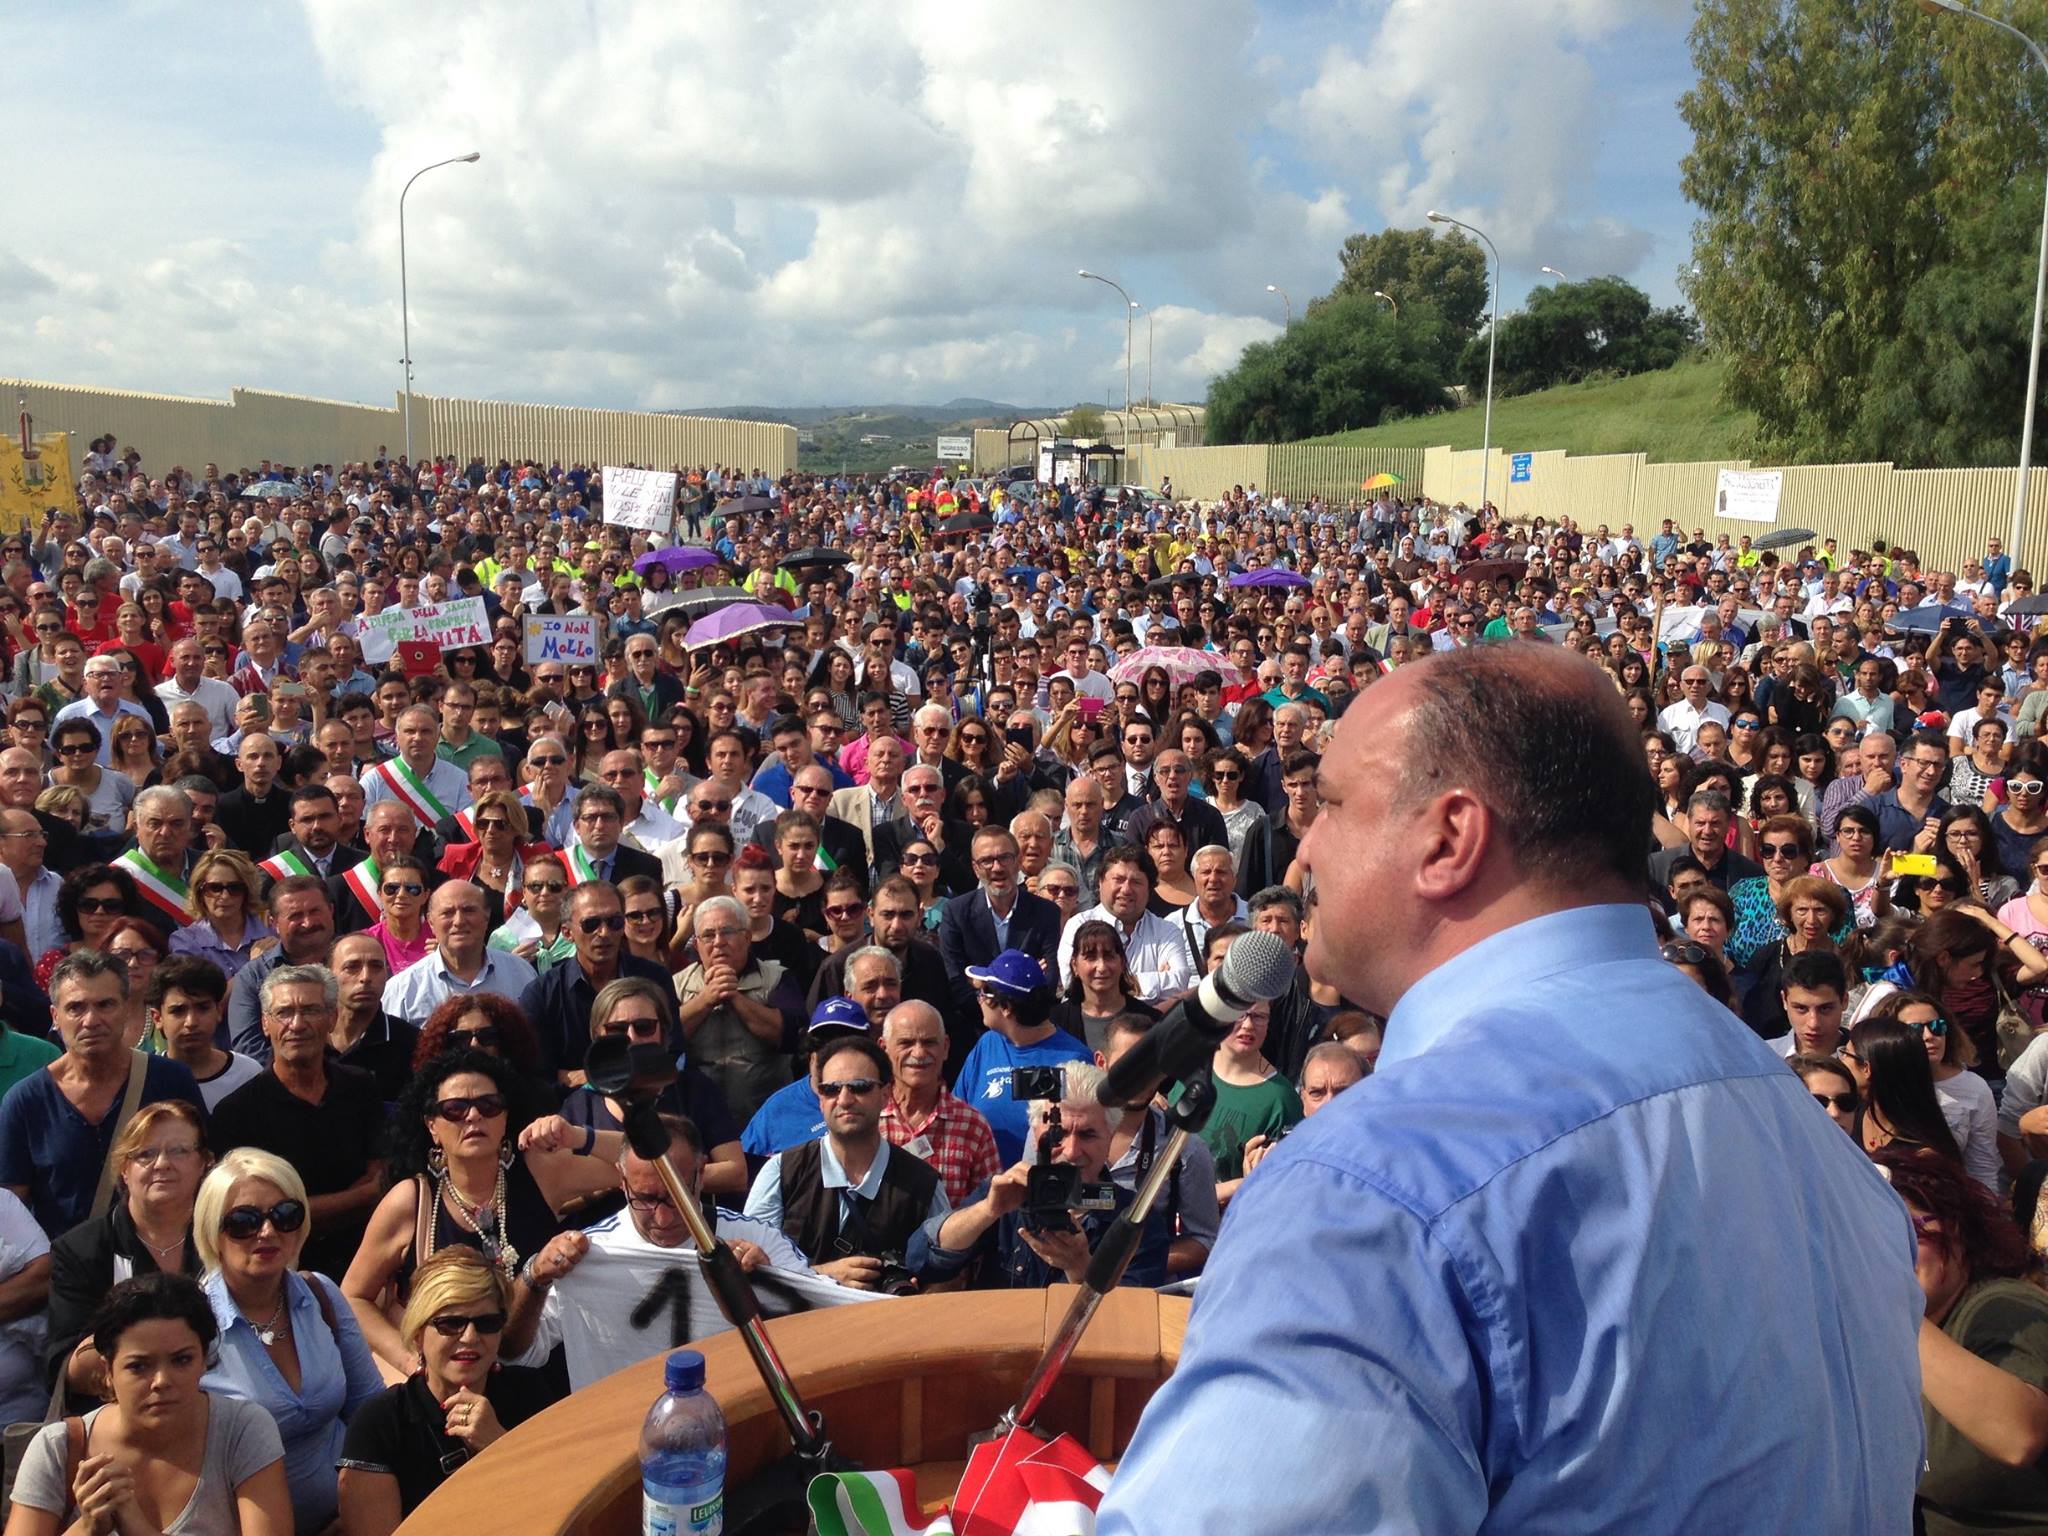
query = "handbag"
x=2015 y=1030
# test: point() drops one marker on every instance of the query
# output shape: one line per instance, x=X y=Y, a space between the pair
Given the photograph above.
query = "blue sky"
x=730 y=203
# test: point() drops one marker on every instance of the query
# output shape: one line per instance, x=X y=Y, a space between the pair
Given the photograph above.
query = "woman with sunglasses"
x=1965 y=1098
x=1784 y=846
x=226 y=903
x=159 y=1157
x=534 y=929
x=402 y=929
x=28 y=725
x=89 y=901
x=1226 y=774
x=846 y=912
x=37 y=665
x=134 y=752
x=404 y=1443
x=1856 y=867
x=1833 y=1087
x=469 y=1168
x=287 y=1341
x=593 y=741
x=166 y=1453
x=1983 y=1359
x=1896 y=1083
x=496 y=861
x=708 y=849
x=646 y=920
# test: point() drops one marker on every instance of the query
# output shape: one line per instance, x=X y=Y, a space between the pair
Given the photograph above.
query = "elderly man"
x=186 y=684
x=998 y=914
x=102 y=705
x=1696 y=705
x=655 y=691
x=1198 y=822
x=931 y=727
x=558 y=1003
x=162 y=857
x=869 y=807
x=1501 y=858
x=24 y=846
x=57 y=1124
x=924 y=801
x=325 y=1119
x=461 y=964
x=1156 y=950
x=389 y=829
x=811 y=790
x=647 y=826
x=922 y=1116
x=993 y=1238
x=738 y=1011
x=1034 y=834
x=302 y=911
x=1084 y=840
x=418 y=778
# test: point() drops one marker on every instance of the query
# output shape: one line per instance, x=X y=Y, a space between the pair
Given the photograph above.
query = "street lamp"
x=1390 y=302
x=1149 y=397
x=1555 y=273
x=1492 y=332
x=2019 y=497
x=1128 y=306
x=404 y=306
x=1274 y=288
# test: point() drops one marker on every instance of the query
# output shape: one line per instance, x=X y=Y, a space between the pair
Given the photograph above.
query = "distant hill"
x=867 y=438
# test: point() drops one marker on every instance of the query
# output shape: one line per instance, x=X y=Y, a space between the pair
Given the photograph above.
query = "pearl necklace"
x=497 y=1246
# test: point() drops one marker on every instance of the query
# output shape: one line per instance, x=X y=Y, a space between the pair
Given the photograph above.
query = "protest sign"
x=1750 y=495
x=382 y=633
x=565 y=637
x=456 y=623
x=640 y=498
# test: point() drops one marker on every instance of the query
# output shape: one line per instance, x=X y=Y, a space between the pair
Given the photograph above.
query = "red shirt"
x=955 y=1139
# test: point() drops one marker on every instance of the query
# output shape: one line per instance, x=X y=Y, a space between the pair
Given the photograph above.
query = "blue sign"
x=1518 y=468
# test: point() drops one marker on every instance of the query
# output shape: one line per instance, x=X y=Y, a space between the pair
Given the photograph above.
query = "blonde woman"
x=288 y=1339
x=405 y=1442
x=225 y=898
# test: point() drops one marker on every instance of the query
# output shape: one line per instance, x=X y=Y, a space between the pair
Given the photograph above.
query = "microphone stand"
x=1186 y=1116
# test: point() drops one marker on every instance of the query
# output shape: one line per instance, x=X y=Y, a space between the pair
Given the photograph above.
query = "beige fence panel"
x=1337 y=472
x=1205 y=473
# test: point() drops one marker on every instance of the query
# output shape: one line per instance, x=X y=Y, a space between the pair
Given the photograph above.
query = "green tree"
x=1084 y=420
x=1347 y=363
x=1447 y=272
x=1850 y=160
x=1571 y=331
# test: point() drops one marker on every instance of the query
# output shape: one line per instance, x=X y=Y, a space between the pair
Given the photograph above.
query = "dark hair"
x=517 y=1041
x=1987 y=842
x=1128 y=853
x=1950 y=932
x=83 y=879
x=1863 y=816
x=1765 y=781
x=410 y=1140
x=1098 y=928
x=602 y=796
x=186 y=973
x=1974 y=1228
x=150 y=1298
x=1545 y=741
x=1901 y=1086
x=306 y=794
x=839 y=1045
x=1815 y=970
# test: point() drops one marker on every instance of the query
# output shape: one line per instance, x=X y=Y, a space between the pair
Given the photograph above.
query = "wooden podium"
x=900 y=1384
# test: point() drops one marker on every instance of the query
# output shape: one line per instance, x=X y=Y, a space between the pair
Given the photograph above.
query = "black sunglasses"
x=1841 y=1103
x=484 y=1039
x=245 y=1221
x=450 y=1325
x=457 y=1110
x=614 y=922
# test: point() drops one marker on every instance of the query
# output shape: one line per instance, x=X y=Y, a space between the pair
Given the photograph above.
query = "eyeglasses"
x=101 y=906
x=1685 y=953
x=245 y=1221
x=146 y=1157
x=607 y=922
x=1780 y=850
x=450 y=1325
x=859 y=1087
x=457 y=1110
x=1937 y=1027
x=485 y=1038
x=995 y=860
x=402 y=888
x=650 y=1202
x=718 y=935
x=1841 y=1103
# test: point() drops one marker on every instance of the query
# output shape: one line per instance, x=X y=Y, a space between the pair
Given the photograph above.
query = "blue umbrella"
x=1271 y=576
x=1927 y=616
x=684 y=557
x=1023 y=573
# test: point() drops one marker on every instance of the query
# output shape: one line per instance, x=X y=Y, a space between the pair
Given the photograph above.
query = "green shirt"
x=478 y=745
x=1263 y=1109
x=22 y=1056
x=2004 y=1322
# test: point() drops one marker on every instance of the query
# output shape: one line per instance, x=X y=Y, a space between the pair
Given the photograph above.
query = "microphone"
x=1257 y=968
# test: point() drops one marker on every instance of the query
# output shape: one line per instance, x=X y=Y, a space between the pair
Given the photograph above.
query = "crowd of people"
x=302 y=947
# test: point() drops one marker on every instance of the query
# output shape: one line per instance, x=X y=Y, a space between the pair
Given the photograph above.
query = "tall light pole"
x=1555 y=273
x=404 y=304
x=1275 y=288
x=1129 y=305
x=1149 y=399
x=2026 y=473
x=1492 y=333
x=1390 y=302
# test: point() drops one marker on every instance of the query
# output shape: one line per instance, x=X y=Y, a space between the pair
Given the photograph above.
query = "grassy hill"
x=1672 y=415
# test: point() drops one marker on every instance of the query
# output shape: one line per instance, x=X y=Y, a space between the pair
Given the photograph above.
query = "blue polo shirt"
x=787 y=1118
x=984 y=1082
x=52 y=1151
x=1897 y=826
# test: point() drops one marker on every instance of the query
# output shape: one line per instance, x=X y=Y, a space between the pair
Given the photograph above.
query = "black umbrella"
x=1782 y=538
x=817 y=554
x=743 y=504
x=1165 y=584
x=966 y=523
x=2028 y=607
x=702 y=600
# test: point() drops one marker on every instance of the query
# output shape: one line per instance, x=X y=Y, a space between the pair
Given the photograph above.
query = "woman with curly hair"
x=484 y=1022
x=89 y=901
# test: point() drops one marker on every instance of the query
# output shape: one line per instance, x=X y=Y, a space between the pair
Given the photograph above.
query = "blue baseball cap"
x=1012 y=971
x=837 y=1016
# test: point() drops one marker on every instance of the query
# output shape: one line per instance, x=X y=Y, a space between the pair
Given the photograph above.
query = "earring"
x=437 y=1160
x=506 y=1153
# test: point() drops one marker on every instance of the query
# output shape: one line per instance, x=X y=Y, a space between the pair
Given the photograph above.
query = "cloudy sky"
x=718 y=203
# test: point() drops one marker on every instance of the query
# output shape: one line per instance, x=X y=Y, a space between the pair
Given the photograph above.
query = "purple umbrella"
x=1271 y=576
x=680 y=558
x=738 y=619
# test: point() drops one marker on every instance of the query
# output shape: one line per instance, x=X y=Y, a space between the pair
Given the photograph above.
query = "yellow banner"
x=30 y=486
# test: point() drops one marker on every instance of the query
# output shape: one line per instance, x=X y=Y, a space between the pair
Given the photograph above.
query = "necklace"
x=163 y=1254
x=269 y=1332
x=497 y=1247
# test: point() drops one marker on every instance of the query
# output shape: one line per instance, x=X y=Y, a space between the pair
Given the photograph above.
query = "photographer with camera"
x=849 y=1200
x=1035 y=1224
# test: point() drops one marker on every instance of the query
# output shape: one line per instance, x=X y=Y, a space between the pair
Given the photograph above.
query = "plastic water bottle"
x=682 y=1456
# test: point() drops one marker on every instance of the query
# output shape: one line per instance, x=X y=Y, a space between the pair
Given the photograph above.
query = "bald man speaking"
x=1581 y=1254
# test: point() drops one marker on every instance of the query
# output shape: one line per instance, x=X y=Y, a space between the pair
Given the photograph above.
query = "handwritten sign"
x=446 y=625
x=640 y=498
x=570 y=638
x=384 y=631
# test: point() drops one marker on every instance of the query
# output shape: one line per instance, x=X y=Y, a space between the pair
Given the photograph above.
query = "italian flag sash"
x=286 y=863
x=467 y=821
x=653 y=781
x=823 y=862
x=1019 y=1486
x=366 y=880
x=581 y=870
x=412 y=789
x=165 y=891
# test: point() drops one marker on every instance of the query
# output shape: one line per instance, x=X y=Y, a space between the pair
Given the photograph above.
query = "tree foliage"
x=1347 y=363
x=1869 y=183
x=1084 y=420
x=1447 y=272
x=1572 y=331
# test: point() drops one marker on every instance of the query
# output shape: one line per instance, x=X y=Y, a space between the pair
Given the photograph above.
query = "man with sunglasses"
x=559 y=1002
x=325 y=1119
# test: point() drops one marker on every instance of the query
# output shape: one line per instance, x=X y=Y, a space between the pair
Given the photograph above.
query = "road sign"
x=1519 y=467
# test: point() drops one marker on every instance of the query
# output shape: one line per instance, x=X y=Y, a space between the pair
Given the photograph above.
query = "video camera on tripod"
x=1053 y=1191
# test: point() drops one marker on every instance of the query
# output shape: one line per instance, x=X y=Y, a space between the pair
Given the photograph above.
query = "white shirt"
x=651 y=828
x=1682 y=721
x=424 y=985
x=22 y=1242
x=217 y=697
x=39 y=911
x=1095 y=685
x=1155 y=950
x=446 y=782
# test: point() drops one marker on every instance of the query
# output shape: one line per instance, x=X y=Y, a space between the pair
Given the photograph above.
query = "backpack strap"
x=74 y=1454
x=131 y=1100
x=326 y=1303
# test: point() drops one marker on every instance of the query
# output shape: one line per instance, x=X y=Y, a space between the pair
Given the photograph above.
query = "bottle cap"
x=685 y=1371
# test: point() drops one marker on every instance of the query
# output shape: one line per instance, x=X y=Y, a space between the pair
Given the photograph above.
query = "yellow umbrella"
x=1382 y=480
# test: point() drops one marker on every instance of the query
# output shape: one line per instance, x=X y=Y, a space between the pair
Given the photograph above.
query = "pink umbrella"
x=1181 y=662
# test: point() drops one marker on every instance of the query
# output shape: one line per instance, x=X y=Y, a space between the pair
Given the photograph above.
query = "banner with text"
x=1750 y=495
x=446 y=625
x=951 y=448
x=570 y=638
x=640 y=498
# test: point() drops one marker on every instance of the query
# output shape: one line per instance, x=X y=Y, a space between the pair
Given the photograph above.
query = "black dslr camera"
x=1054 y=1191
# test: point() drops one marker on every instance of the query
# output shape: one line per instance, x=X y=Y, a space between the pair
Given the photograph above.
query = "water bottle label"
x=683 y=1512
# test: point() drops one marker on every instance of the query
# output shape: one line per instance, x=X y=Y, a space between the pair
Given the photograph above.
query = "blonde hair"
x=143 y=1123
x=212 y=1204
x=453 y=1277
x=238 y=864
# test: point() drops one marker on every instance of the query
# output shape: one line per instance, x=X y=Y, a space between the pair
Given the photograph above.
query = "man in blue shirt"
x=1580 y=1255
x=1016 y=1005
x=792 y=1116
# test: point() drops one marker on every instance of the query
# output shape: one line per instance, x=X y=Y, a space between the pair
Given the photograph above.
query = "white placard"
x=382 y=632
x=1748 y=495
x=955 y=448
x=565 y=637
x=640 y=498
x=461 y=622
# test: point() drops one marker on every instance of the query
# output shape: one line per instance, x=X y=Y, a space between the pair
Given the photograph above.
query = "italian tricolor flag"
x=366 y=880
x=159 y=887
x=581 y=870
x=412 y=789
x=1019 y=1486
x=286 y=863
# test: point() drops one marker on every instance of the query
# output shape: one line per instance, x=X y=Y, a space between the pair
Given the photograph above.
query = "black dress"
x=528 y=1217
x=85 y=1263
x=400 y=1431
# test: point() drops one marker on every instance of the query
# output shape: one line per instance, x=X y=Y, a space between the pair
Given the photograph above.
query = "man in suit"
x=811 y=789
x=998 y=915
x=877 y=802
x=313 y=846
x=597 y=853
x=389 y=829
x=924 y=797
x=486 y=773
